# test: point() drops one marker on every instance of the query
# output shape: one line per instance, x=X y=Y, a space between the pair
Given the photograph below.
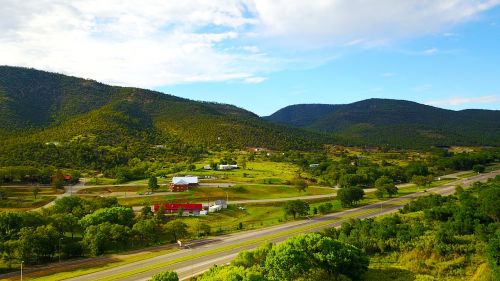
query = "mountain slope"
x=38 y=106
x=395 y=122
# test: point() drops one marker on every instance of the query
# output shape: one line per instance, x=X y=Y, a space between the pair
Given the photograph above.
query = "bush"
x=165 y=276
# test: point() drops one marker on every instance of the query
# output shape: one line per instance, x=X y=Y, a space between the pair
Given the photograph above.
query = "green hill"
x=39 y=108
x=395 y=122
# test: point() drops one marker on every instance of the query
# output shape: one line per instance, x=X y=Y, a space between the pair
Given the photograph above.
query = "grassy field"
x=81 y=267
x=262 y=215
x=22 y=198
x=236 y=192
x=255 y=172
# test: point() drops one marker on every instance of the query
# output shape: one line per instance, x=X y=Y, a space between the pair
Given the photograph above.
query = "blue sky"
x=457 y=68
x=263 y=55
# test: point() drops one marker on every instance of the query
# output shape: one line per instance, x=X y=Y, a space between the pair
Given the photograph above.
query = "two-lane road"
x=199 y=258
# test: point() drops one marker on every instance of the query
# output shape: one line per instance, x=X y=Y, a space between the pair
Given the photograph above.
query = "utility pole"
x=22 y=270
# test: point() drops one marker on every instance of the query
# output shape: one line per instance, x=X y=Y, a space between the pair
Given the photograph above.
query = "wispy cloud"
x=430 y=51
x=458 y=101
x=422 y=88
x=155 y=43
x=388 y=74
x=255 y=80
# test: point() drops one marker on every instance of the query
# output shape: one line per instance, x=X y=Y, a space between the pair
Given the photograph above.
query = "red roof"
x=176 y=207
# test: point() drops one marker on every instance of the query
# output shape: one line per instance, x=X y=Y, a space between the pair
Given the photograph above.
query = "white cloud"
x=255 y=80
x=422 y=88
x=155 y=42
x=323 y=22
x=388 y=74
x=430 y=51
x=457 y=101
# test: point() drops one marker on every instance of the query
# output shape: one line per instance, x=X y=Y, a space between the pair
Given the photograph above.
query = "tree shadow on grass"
x=389 y=273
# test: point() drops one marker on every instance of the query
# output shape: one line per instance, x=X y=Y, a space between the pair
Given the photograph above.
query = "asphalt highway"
x=203 y=256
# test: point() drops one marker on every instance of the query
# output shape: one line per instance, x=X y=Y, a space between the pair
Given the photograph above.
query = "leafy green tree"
x=350 y=196
x=147 y=230
x=201 y=229
x=493 y=255
x=255 y=258
x=416 y=168
x=165 y=276
x=160 y=214
x=231 y=273
x=97 y=239
x=176 y=229
x=146 y=212
x=300 y=184
x=421 y=180
x=37 y=244
x=325 y=208
x=478 y=168
x=114 y=215
x=58 y=179
x=297 y=256
x=4 y=193
x=489 y=199
x=9 y=248
x=69 y=204
x=153 y=183
x=65 y=222
x=35 y=190
x=384 y=186
x=296 y=208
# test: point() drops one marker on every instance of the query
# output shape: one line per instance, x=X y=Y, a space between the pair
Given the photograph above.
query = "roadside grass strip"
x=90 y=267
x=313 y=226
x=247 y=243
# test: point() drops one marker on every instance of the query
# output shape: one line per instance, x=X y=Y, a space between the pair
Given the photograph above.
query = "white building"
x=189 y=180
x=214 y=208
x=227 y=167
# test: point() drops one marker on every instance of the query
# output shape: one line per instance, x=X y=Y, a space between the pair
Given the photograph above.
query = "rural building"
x=221 y=203
x=214 y=208
x=227 y=166
x=180 y=184
x=174 y=208
x=207 y=167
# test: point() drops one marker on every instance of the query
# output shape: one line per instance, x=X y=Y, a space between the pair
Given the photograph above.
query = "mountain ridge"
x=382 y=120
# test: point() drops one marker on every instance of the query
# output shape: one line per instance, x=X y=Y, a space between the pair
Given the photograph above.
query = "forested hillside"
x=395 y=122
x=51 y=118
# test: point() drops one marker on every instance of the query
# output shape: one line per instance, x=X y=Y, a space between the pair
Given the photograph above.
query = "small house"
x=181 y=184
x=228 y=166
x=221 y=203
x=214 y=208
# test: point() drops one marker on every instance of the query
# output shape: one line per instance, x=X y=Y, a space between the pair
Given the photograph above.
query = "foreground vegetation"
x=433 y=238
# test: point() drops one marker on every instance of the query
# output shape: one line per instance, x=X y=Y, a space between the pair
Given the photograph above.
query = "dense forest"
x=395 y=123
x=50 y=118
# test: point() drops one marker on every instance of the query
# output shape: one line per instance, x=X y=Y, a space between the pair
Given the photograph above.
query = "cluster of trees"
x=455 y=231
x=125 y=161
x=76 y=227
x=446 y=161
x=302 y=257
x=359 y=171
x=32 y=175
